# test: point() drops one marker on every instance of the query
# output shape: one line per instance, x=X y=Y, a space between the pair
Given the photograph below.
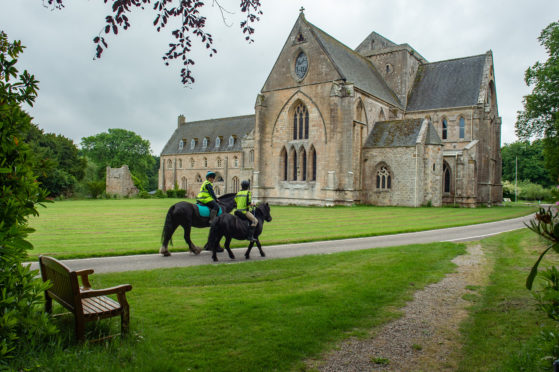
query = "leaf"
x=534 y=271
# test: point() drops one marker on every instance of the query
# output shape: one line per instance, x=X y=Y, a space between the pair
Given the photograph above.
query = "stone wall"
x=119 y=182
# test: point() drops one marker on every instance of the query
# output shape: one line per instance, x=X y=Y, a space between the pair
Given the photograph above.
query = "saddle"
x=204 y=211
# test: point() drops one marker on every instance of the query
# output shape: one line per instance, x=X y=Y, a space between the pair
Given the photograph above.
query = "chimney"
x=181 y=120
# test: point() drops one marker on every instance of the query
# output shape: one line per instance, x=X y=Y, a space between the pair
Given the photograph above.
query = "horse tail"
x=168 y=228
x=213 y=237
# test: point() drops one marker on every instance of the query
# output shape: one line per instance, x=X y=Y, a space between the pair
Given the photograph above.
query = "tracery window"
x=301 y=122
x=384 y=179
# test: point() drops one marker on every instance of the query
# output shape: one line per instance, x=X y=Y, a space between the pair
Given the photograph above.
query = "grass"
x=89 y=228
x=253 y=316
x=504 y=330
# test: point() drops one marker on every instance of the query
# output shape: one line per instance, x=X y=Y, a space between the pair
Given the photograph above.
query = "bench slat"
x=96 y=305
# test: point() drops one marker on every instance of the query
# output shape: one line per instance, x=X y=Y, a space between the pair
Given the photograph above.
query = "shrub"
x=144 y=195
x=159 y=194
x=96 y=188
x=171 y=193
x=532 y=191
x=180 y=193
x=22 y=324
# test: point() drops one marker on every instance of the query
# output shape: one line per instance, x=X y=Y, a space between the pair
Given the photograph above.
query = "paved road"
x=180 y=259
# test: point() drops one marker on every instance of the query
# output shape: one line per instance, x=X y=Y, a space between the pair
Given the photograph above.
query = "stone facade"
x=331 y=124
x=119 y=182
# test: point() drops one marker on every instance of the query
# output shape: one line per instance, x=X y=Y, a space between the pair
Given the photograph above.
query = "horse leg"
x=227 y=242
x=213 y=241
x=262 y=254
x=167 y=235
x=193 y=248
x=247 y=253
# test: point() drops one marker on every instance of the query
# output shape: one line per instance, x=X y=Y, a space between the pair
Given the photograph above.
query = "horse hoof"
x=247 y=257
x=166 y=254
x=214 y=259
x=262 y=254
x=195 y=250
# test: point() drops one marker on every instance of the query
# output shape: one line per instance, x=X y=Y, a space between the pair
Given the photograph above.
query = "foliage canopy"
x=192 y=23
x=540 y=117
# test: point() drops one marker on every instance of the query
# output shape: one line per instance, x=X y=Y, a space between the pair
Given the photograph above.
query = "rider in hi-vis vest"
x=207 y=197
x=244 y=201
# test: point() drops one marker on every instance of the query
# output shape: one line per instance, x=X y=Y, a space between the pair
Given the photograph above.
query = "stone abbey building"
x=335 y=126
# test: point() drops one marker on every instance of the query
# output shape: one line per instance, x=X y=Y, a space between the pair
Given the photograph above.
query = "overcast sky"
x=131 y=88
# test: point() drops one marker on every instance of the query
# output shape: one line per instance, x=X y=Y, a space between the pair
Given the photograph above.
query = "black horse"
x=234 y=227
x=186 y=214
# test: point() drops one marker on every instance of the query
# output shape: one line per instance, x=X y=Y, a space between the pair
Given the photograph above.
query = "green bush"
x=144 y=195
x=22 y=324
x=532 y=191
x=171 y=193
x=96 y=188
x=180 y=193
x=160 y=194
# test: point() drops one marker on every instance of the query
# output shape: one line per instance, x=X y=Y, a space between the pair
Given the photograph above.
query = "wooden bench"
x=85 y=303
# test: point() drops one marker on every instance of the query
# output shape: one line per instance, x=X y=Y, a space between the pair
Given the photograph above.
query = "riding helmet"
x=210 y=174
x=245 y=184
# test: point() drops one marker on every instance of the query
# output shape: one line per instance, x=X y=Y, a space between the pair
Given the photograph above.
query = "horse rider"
x=244 y=201
x=207 y=197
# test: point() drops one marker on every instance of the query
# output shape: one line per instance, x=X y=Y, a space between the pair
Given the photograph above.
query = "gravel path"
x=426 y=337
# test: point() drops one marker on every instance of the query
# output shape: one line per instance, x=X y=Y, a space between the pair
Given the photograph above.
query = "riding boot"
x=213 y=214
x=251 y=230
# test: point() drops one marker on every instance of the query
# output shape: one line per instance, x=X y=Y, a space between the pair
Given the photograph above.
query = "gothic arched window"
x=313 y=164
x=446 y=178
x=301 y=122
x=445 y=128
x=303 y=155
x=235 y=182
x=283 y=164
x=462 y=127
x=384 y=179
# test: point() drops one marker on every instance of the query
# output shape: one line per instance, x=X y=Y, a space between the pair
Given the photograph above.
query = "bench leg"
x=125 y=319
x=48 y=303
x=80 y=329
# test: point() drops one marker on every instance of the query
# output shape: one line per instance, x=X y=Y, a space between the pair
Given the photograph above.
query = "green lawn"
x=252 y=316
x=87 y=228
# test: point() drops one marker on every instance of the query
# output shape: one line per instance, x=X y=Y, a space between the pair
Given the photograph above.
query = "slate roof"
x=238 y=126
x=445 y=84
x=397 y=133
x=355 y=68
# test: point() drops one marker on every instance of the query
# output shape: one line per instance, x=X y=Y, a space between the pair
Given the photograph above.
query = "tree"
x=188 y=11
x=540 y=117
x=531 y=164
x=59 y=167
x=117 y=148
x=21 y=324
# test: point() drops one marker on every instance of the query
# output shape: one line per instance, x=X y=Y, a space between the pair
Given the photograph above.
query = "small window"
x=181 y=144
x=205 y=162
x=180 y=164
x=462 y=128
x=191 y=163
x=445 y=128
x=231 y=141
x=205 y=142
x=217 y=142
x=198 y=178
x=384 y=180
x=235 y=162
x=192 y=143
x=169 y=164
x=251 y=157
x=219 y=163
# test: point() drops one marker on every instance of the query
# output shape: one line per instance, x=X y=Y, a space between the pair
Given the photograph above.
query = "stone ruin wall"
x=119 y=182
